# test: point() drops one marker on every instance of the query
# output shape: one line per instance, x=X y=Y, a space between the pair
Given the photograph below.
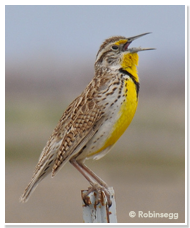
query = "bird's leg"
x=89 y=179
x=92 y=174
x=100 y=182
x=97 y=183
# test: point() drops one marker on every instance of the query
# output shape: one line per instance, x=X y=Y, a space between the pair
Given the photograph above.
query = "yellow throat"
x=129 y=63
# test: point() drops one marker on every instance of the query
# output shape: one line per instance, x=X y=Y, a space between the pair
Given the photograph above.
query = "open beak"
x=133 y=50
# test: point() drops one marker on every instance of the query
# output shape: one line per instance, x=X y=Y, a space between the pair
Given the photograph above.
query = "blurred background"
x=50 y=52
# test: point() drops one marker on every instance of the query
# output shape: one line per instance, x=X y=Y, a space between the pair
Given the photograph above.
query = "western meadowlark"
x=96 y=119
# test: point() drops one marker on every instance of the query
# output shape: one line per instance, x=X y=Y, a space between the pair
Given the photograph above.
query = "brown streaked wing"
x=87 y=121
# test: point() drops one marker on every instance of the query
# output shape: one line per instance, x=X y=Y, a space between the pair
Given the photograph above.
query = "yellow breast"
x=125 y=116
x=126 y=113
x=128 y=107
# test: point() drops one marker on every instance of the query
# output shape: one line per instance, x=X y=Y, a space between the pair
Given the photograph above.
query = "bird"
x=95 y=120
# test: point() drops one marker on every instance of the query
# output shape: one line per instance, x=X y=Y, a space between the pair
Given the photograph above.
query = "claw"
x=99 y=190
x=86 y=198
x=108 y=196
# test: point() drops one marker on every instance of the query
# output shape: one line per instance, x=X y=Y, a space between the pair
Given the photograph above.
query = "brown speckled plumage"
x=88 y=121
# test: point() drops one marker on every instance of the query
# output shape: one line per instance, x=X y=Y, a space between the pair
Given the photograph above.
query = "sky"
x=80 y=30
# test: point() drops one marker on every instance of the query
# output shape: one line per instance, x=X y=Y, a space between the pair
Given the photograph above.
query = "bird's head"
x=115 y=53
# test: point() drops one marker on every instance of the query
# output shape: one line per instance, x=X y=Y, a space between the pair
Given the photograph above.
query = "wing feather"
x=85 y=125
x=76 y=127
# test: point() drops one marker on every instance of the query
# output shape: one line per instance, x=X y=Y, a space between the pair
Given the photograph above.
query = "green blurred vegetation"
x=37 y=93
x=155 y=137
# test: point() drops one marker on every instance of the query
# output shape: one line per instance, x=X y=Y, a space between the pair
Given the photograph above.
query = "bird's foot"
x=99 y=190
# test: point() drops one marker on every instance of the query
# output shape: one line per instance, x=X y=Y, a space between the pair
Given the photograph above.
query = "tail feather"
x=43 y=168
x=36 y=179
x=28 y=191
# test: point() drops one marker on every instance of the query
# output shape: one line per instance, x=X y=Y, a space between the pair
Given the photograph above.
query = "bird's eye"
x=115 y=47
